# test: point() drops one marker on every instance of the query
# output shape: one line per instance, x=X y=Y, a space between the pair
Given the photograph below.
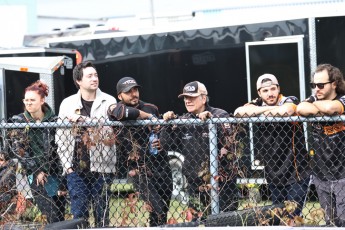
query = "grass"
x=119 y=188
x=310 y=211
x=121 y=213
x=140 y=217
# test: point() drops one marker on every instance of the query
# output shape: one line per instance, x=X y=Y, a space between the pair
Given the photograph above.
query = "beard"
x=273 y=101
x=132 y=102
x=325 y=96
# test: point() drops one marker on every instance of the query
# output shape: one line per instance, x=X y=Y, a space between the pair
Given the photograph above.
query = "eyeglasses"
x=27 y=101
x=319 y=85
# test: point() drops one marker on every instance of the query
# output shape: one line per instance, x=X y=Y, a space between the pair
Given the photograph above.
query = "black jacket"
x=133 y=150
x=192 y=141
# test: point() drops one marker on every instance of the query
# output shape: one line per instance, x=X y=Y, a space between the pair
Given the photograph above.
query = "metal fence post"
x=213 y=167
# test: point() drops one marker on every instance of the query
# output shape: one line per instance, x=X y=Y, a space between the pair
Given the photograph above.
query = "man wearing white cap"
x=192 y=141
x=280 y=144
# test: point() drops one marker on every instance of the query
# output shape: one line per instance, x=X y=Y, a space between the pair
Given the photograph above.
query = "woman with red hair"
x=37 y=149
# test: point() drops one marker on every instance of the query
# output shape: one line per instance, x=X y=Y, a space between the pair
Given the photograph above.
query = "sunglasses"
x=319 y=85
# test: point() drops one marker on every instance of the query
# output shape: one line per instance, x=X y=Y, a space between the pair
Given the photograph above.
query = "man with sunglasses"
x=328 y=140
x=280 y=145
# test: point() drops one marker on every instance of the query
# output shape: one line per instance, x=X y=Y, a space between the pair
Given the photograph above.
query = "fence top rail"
x=190 y=121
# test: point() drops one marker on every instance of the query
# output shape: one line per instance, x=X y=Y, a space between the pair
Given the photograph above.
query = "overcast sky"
x=115 y=8
x=94 y=10
x=64 y=14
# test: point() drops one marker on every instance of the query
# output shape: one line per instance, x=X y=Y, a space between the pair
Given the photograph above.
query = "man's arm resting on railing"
x=329 y=107
x=121 y=112
x=253 y=110
x=285 y=110
x=319 y=108
x=307 y=109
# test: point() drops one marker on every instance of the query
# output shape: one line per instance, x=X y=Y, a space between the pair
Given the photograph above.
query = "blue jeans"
x=86 y=190
x=292 y=192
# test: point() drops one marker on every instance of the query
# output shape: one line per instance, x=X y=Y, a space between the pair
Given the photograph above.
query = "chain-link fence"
x=226 y=171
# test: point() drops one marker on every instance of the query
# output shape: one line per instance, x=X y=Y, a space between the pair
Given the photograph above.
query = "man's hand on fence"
x=156 y=143
x=204 y=115
x=155 y=128
x=169 y=115
x=41 y=178
x=70 y=170
x=62 y=193
x=78 y=118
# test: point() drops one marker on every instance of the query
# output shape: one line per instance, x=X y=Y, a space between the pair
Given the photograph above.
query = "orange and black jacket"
x=282 y=147
x=328 y=145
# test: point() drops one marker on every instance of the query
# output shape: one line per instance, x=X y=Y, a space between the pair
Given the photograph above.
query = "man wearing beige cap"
x=270 y=102
x=192 y=141
x=279 y=144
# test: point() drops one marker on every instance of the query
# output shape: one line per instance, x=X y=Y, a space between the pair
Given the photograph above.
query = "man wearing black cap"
x=147 y=166
x=281 y=145
x=192 y=141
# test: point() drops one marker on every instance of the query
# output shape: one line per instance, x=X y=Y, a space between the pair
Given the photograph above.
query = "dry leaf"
x=290 y=222
x=148 y=207
x=134 y=156
x=290 y=206
x=85 y=138
x=189 y=215
x=317 y=214
x=206 y=177
x=133 y=172
x=21 y=152
x=172 y=221
x=218 y=178
x=82 y=164
x=109 y=142
x=223 y=152
x=299 y=221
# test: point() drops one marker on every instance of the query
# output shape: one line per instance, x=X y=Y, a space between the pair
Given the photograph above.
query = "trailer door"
x=17 y=73
x=282 y=57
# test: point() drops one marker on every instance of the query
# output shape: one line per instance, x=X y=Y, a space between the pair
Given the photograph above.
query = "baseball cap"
x=125 y=84
x=271 y=77
x=193 y=89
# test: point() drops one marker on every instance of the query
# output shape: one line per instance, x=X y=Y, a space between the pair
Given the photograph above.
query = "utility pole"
x=152 y=13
